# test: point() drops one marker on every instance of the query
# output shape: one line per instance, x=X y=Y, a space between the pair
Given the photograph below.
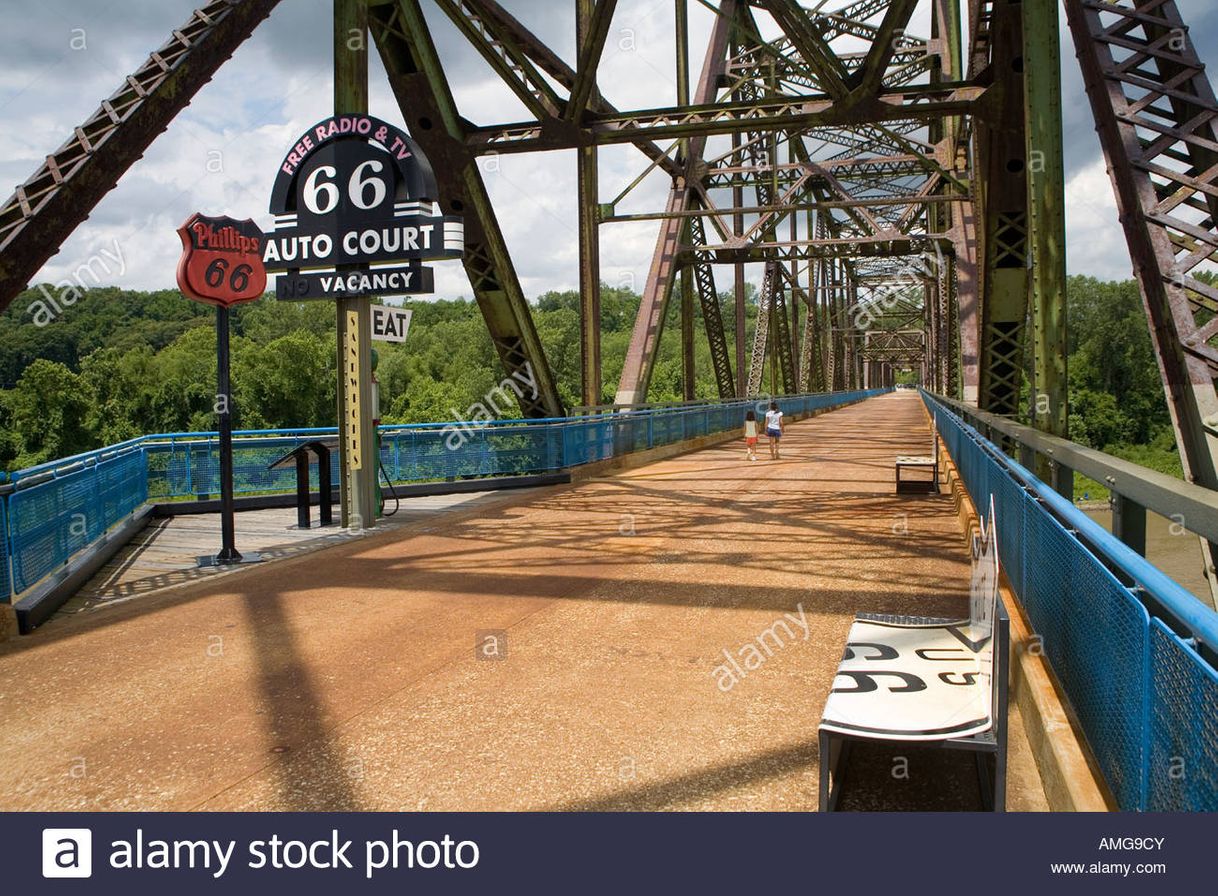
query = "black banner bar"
x=603 y=853
x=398 y=281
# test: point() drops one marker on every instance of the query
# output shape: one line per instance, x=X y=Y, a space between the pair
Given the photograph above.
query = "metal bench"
x=931 y=682
x=907 y=462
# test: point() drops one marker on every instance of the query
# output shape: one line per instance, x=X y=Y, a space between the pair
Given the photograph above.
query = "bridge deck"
x=165 y=554
x=348 y=679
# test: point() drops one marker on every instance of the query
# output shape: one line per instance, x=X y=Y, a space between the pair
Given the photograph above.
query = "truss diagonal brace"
x=645 y=339
x=401 y=35
x=502 y=26
x=506 y=58
x=62 y=193
x=793 y=19
x=589 y=58
x=870 y=77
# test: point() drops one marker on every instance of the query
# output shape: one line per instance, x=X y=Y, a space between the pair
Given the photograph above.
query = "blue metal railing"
x=51 y=512
x=1125 y=641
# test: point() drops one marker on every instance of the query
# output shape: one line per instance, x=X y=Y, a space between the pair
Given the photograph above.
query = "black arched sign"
x=357 y=191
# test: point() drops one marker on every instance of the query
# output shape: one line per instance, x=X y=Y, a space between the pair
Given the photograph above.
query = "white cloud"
x=1095 y=243
x=278 y=83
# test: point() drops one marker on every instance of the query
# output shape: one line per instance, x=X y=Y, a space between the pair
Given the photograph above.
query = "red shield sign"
x=221 y=261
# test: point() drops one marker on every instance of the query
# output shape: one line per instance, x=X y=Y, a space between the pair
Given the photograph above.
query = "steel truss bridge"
x=903 y=192
x=903 y=196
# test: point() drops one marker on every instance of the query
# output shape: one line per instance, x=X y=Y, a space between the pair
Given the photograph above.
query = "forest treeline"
x=120 y=363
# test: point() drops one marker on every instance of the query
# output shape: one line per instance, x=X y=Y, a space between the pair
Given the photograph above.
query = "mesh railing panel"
x=1095 y=637
x=1184 y=726
x=6 y=582
x=1146 y=700
x=54 y=519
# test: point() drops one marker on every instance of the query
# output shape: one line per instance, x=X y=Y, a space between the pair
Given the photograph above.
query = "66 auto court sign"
x=356 y=214
x=353 y=192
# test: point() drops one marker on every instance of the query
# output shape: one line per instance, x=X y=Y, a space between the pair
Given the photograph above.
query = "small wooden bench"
x=907 y=462
x=931 y=682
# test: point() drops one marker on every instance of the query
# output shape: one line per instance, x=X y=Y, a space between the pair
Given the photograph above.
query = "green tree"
x=288 y=382
x=47 y=410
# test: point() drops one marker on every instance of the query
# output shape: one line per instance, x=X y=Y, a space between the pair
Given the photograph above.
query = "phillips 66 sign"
x=356 y=192
x=221 y=262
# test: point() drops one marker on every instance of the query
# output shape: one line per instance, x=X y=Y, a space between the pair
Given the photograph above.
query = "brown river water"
x=1176 y=553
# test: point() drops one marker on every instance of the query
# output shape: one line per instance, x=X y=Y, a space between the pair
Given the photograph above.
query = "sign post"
x=221 y=265
x=228 y=537
x=355 y=215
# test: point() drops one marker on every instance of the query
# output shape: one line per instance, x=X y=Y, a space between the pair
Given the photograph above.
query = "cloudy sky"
x=61 y=57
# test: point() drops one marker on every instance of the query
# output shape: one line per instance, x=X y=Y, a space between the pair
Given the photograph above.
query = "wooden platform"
x=165 y=554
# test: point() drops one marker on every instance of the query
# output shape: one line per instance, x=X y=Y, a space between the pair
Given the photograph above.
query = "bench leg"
x=993 y=787
x=984 y=782
x=302 y=491
x=826 y=762
x=834 y=753
x=1000 y=776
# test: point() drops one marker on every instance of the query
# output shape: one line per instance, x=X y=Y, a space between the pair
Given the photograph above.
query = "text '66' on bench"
x=931 y=682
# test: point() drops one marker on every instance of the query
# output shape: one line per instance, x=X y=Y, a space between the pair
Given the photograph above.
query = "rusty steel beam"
x=60 y=195
x=868 y=79
x=645 y=337
x=832 y=247
x=507 y=59
x=418 y=82
x=1144 y=77
x=917 y=102
x=501 y=26
x=810 y=44
x=1003 y=220
x=591 y=22
x=712 y=314
x=592 y=27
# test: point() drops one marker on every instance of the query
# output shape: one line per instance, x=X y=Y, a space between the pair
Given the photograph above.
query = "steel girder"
x=60 y=195
x=645 y=339
x=894 y=346
x=921 y=103
x=1157 y=119
x=497 y=26
x=417 y=78
x=1046 y=219
x=761 y=330
x=712 y=314
x=591 y=27
x=1003 y=233
x=836 y=247
x=772 y=315
x=882 y=199
x=810 y=373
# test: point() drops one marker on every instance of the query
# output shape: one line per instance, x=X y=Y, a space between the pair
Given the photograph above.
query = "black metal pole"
x=228 y=550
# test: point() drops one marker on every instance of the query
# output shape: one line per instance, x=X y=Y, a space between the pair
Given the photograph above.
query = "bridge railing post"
x=1129 y=522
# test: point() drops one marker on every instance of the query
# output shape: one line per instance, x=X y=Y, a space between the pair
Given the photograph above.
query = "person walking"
x=773 y=428
x=750 y=434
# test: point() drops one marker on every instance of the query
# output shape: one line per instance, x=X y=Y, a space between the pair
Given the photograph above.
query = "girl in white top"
x=750 y=434
x=773 y=428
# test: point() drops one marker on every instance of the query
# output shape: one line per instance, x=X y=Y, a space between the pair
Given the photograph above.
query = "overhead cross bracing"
x=840 y=145
x=814 y=151
x=807 y=142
